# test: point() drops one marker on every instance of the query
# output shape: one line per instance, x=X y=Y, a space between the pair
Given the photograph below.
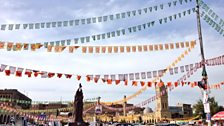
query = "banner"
x=90 y=20
x=96 y=37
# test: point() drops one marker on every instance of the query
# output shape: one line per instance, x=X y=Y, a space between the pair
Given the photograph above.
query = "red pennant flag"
x=28 y=73
x=7 y=72
x=68 y=76
x=134 y=83
x=19 y=73
x=182 y=83
x=149 y=84
x=59 y=75
x=50 y=75
x=175 y=84
x=96 y=79
x=169 y=84
x=117 y=82
x=125 y=82
x=88 y=78
x=103 y=80
x=109 y=81
x=78 y=77
x=36 y=74
x=142 y=83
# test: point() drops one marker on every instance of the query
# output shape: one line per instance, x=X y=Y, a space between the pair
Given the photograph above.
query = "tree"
x=199 y=107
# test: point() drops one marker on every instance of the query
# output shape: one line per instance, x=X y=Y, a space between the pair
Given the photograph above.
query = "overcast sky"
x=39 y=89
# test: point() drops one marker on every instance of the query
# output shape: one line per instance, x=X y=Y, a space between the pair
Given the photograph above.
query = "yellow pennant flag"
x=61 y=48
x=18 y=46
x=38 y=45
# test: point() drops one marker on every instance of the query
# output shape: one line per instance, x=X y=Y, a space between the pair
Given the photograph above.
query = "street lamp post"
x=204 y=73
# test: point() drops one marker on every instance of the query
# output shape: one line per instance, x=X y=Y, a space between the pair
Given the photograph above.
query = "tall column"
x=204 y=73
x=124 y=106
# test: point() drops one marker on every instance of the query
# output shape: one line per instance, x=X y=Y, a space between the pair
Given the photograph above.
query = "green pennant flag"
x=129 y=13
x=139 y=11
x=65 y=23
x=99 y=19
x=108 y=35
x=184 y=13
x=134 y=12
x=150 y=9
x=123 y=15
x=63 y=42
x=186 y=1
x=93 y=37
x=129 y=29
x=139 y=27
x=87 y=38
x=155 y=7
x=77 y=22
x=118 y=16
x=152 y=23
x=42 y=25
x=82 y=39
x=165 y=19
x=97 y=36
x=118 y=32
x=123 y=31
x=145 y=10
x=18 y=26
x=169 y=4
x=103 y=37
x=179 y=14
x=68 y=41
x=88 y=20
x=113 y=34
x=53 y=24
x=94 y=19
x=83 y=21
x=161 y=6
x=180 y=1
x=175 y=3
x=170 y=17
x=57 y=43
x=134 y=29
x=144 y=26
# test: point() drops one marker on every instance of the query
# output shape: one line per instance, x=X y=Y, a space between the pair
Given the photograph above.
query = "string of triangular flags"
x=19 y=72
x=106 y=49
x=8 y=109
x=92 y=20
x=212 y=23
x=212 y=18
x=211 y=13
x=15 y=46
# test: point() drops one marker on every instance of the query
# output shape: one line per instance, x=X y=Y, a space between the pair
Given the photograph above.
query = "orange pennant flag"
x=2 y=44
x=33 y=47
x=18 y=46
x=128 y=49
x=103 y=49
x=97 y=49
x=156 y=47
x=133 y=48
x=145 y=48
x=115 y=49
x=171 y=46
x=182 y=44
x=84 y=49
x=56 y=48
x=160 y=46
x=193 y=43
x=62 y=48
x=177 y=45
x=166 y=46
x=139 y=48
x=150 y=47
x=49 y=48
x=110 y=49
x=71 y=49
x=90 y=48
x=121 y=49
x=187 y=44
x=160 y=84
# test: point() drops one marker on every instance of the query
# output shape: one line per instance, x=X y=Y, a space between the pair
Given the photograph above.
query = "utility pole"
x=204 y=73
